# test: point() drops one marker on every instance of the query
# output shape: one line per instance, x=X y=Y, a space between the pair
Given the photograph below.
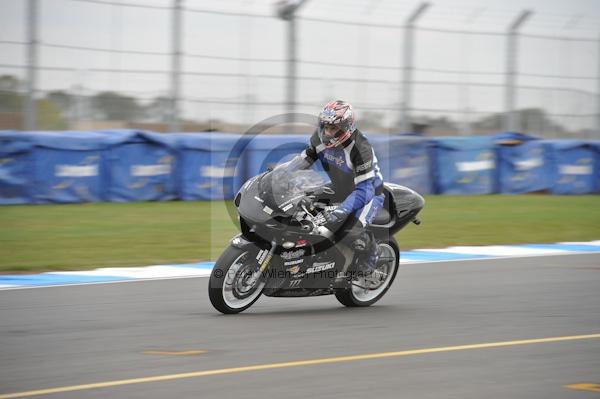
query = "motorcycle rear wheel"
x=230 y=287
x=360 y=294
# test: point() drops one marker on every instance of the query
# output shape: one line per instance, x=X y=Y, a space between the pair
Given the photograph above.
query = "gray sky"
x=88 y=24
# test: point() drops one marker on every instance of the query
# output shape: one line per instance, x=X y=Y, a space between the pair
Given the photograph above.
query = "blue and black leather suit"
x=356 y=179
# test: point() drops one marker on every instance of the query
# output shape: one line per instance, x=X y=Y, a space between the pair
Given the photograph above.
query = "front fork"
x=264 y=265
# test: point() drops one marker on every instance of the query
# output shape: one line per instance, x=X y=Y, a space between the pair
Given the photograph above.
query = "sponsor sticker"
x=364 y=166
x=76 y=170
x=216 y=172
x=262 y=255
x=575 y=169
x=405 y=173
x=295 y=283
x=320 y=266
x=475 y=166
x=528 y=164
x=267 y=210
x=291 y=200
x=293 y=262
x=150 y=170
x=293 y=270
x=337 y=160
x=289 y=255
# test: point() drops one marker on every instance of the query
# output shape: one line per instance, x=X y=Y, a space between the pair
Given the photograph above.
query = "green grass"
x=66 y=237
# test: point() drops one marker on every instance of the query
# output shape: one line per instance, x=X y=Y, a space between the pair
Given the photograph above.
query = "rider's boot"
x=366 y=247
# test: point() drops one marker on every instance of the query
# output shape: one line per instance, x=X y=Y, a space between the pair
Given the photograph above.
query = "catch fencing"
x=402 y=68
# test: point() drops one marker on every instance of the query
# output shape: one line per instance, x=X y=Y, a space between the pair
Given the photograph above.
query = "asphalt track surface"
x=158 y=339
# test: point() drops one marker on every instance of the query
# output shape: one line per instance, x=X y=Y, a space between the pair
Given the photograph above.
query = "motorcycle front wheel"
x=365 y=290
x=235 y=282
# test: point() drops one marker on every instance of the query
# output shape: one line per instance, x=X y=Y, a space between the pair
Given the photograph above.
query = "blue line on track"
x=201 y=265
x=46 y=279
x=433 y=256
x=564 y=247
x=29 y=280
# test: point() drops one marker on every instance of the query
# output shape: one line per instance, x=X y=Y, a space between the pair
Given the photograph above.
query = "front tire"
x=231 y=288
x=359 y=295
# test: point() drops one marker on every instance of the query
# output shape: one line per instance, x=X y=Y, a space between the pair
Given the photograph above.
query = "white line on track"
x=402 y=264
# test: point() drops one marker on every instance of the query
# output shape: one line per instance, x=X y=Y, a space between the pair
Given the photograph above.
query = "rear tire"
x=228 y=290
x=359 y=296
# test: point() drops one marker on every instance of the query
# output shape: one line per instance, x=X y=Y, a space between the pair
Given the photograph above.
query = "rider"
x=349 y=160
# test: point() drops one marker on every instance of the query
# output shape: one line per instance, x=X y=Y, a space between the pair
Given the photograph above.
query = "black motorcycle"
x=284 y=250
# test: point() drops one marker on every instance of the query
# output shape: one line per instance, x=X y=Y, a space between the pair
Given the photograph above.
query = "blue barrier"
x=595 y=144
x=15 y=168
x=129 y=165
x=404 y=160
x=463 y=165
x=209 y=165
x=69 y=167
x=268 y=150
x=523 y=164
x=142 y=167
x=575 y=166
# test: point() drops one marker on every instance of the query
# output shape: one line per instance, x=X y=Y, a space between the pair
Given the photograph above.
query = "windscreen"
x=282 y=189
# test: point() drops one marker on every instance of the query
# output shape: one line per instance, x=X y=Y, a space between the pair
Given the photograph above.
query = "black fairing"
x=297 y=280
x=400 y=207
x=304 y=263
x=250 y=208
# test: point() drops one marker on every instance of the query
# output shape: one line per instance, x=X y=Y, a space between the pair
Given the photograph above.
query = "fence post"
x=363 y=54
x=408 y=66
x=291 y=70
x=511 y=120
x=30 y=122
x=286 y=10
x=597 y=135
x=246 y=69
x=174 y=124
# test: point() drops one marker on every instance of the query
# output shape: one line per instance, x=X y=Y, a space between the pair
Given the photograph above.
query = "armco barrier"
x=575 y=166
x=523 y=164
x=463 y=165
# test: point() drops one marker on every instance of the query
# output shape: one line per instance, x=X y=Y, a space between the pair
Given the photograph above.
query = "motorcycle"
x=284 y=250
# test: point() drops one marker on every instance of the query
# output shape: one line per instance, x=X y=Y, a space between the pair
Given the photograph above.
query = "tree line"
x=58 y=108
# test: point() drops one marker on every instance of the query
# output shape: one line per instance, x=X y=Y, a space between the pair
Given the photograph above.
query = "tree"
x=158 y=109
x=115 y=106
x=9 y=83
x=62 y=100
x=49 y=117
x=10 y=99
x=441 y=125
x=531 y=120
x=536 y=119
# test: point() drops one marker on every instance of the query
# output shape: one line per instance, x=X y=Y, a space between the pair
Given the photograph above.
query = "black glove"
x=334 y=219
